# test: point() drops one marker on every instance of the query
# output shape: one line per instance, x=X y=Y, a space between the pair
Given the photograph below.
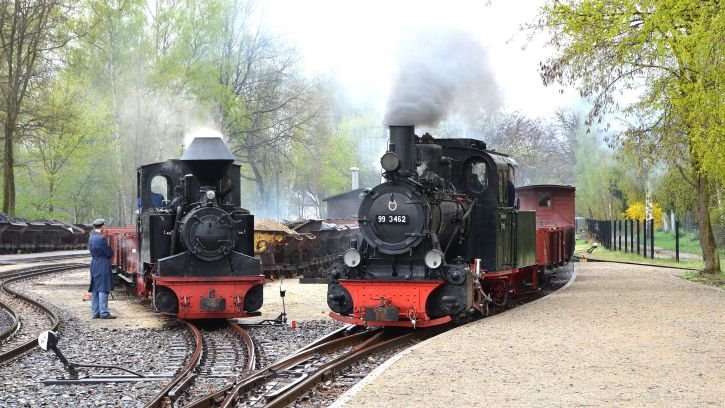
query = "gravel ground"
x=145 y=350
x=148 y=342
x=620 y=335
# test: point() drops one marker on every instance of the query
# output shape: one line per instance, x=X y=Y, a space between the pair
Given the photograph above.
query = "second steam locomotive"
x=444 y=235
x=191 y=251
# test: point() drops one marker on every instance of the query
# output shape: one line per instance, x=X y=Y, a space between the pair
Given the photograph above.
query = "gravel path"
x=620 y=335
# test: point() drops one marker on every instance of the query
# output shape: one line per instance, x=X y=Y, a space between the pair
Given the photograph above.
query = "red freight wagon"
x=554 y=206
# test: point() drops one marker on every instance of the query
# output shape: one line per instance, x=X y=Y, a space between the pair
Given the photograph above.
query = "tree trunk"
x=261 y=188
x=9 y=168
x=117 y=142
x=707 y=239
x=51 y=193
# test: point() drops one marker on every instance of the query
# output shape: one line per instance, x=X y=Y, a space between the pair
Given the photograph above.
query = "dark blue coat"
x=101 y=253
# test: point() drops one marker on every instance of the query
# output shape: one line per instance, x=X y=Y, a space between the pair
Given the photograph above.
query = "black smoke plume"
x=442 y=72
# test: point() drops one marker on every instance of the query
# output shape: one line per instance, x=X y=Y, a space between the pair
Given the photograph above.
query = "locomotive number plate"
x=213 y=304
x=392 y=219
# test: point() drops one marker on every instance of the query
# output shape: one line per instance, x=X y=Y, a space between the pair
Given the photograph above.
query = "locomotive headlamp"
x=351 y=258
x=210 y=194
x=390 y=161
x=433 y=259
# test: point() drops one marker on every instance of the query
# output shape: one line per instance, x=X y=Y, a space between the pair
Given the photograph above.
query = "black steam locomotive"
x=192 y=248
x=441 y=237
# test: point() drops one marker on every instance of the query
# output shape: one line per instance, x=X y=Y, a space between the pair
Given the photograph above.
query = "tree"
x=672 y=51
x=64 y=130
x=29 y=32
x=544 y=149
x=264 y=103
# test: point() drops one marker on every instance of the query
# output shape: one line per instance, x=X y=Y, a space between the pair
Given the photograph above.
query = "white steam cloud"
x=201 y=131
x=442 y=72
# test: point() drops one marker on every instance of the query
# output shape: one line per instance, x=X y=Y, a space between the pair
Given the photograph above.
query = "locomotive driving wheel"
x=499 y=293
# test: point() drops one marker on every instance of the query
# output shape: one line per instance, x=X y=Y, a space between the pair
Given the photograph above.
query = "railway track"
x=21 y=259
x=216 y=361
x=281 y=383
x=27 y=317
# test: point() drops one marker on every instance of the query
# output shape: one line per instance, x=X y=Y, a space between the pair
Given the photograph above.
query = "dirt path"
x=618 y=336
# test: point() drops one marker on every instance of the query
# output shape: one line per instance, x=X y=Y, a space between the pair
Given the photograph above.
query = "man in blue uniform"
x=101 y=277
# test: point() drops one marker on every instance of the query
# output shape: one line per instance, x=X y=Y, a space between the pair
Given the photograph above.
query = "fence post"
x=609 y=234
x=631 y=233
x=626 y=244
x=644 y=239
x=652 y=239
x=638 y=249
x=619 y=235
x=677 y=241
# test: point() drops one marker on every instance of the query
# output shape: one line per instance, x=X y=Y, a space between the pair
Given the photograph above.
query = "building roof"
x=348 y=194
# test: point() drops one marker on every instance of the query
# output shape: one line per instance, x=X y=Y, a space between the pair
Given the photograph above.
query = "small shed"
x=344 y=205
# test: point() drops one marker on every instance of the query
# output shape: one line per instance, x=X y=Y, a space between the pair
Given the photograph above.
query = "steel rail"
x=16 y=321
x=331 y=341
x=162 y=398
x=249 y=383
x=576 y=258
x=24 y=274
x=9 y=260
x=251 y=351
x=375 y=344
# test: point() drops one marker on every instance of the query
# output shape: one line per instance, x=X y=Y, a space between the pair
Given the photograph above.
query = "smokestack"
x=209 y=158
x=402 y=142
x=355 y=177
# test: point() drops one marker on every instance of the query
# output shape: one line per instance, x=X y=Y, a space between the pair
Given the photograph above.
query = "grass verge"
x=712 y=280
x=603 y=254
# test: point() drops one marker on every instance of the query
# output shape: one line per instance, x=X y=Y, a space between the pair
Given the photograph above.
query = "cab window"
x=159 y=190
x=477 y=176
x=501 y=187
x=545 y=201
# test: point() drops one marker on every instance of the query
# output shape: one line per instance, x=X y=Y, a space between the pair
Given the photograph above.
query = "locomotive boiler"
x=192 y=248
x=441 y=238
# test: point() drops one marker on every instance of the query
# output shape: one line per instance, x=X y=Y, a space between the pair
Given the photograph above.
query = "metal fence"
x=628 y=236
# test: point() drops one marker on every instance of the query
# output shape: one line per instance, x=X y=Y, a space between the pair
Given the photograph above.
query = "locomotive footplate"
x=381 y=314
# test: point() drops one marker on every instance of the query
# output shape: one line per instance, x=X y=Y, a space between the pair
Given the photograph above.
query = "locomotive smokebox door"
x=391 y=217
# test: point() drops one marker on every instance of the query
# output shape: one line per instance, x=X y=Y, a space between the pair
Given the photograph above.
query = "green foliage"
x=598 y=195
x=668 y=55
x=675 y=192
x=322 y=166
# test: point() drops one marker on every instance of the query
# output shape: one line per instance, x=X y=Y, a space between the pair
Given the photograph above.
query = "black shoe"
x=108 y=317
x=96 y=317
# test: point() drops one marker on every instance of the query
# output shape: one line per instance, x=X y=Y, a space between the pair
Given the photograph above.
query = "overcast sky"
x=358 y=42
